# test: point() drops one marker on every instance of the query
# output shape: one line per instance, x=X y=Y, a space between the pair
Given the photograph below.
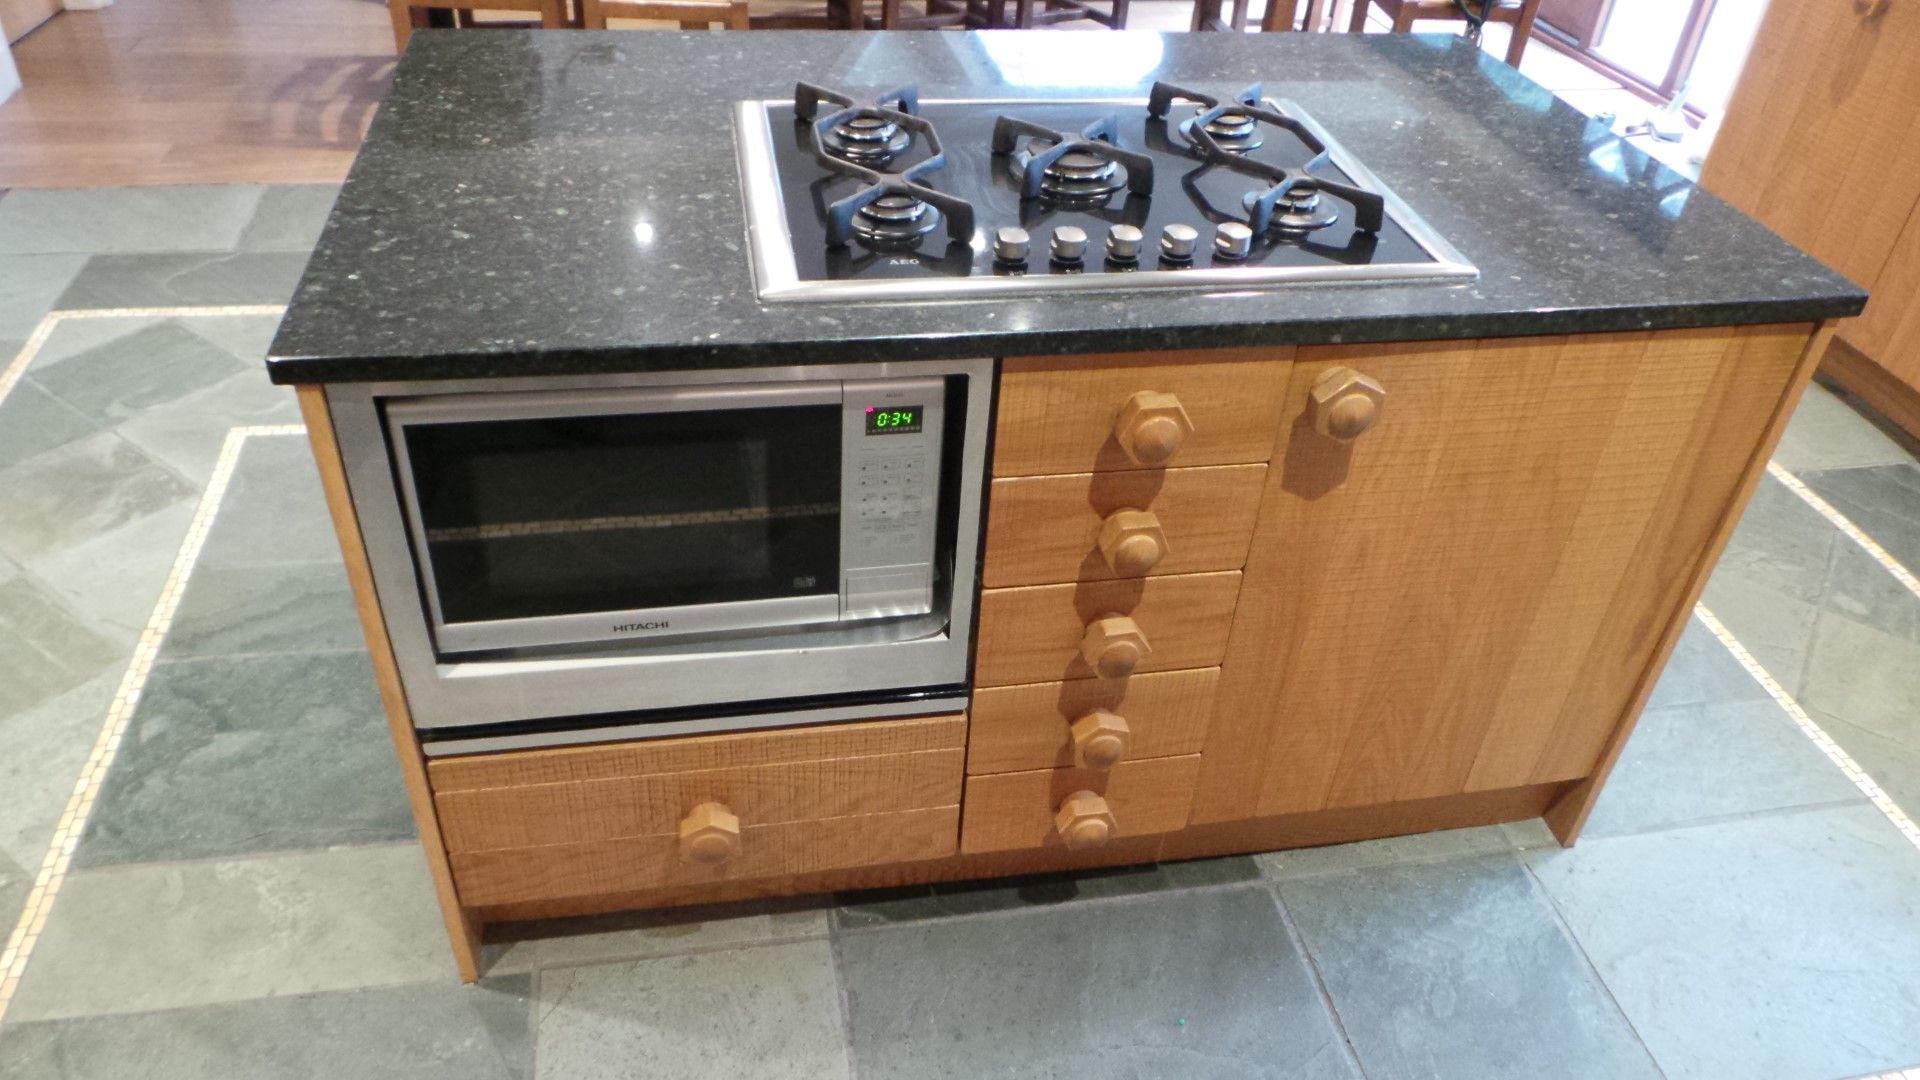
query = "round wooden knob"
x=1151 y=426
x=710 y=834
x=1100 y=739
x=1113 y=646
x=1344 y=403
x=1132 y=541
x=1084 y=820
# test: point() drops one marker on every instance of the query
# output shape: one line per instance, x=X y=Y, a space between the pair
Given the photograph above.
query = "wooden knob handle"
x=1151 y=426
x=1113 y=646
x=710 y=834
x=1344 y=403
x=1084 y=820
x=1132 y=541
x=1100 y=739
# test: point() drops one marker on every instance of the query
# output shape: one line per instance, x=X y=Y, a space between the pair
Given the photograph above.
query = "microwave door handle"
x=551 y=404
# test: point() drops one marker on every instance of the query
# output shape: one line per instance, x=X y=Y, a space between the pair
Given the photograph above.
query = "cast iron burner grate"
x=894 y=208
x=1223 y=133
x=1073 y=167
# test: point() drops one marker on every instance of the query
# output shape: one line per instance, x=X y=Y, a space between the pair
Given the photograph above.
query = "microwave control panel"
x=890 y=495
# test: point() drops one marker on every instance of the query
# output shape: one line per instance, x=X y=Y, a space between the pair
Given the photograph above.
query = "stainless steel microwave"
x=698 y=550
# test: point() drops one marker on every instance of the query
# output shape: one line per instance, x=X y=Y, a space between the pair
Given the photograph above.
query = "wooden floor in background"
x=195 y=91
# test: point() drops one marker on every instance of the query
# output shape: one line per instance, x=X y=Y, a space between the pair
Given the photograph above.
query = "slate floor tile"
x=1883 y=500
x=92 y=220
x=431 y=1031
x=187 y=435
x=182 y=280
x=639 y=934
x=292 y=608
x=15 y=883
x=1698 y=762
x=1227 y=870
x=1866 y=677
x=45 y=649
x=1893 y=764
x=114 y=578
x=165 y=936
x=29 y=284
x=1459 y=969
x=1862 y=590
x=32 y=421
x=289 y=218
x=1826 y=434
x=882 y=906
x=45 y=748
x=771 y=1013
x=274 y=511
x=1387 y=851
x=1190 y=983
x=64 y=496
x=1701 y=670
x=1781 y=544
x=122 y=378
x=227 y=756
x=1771 y=947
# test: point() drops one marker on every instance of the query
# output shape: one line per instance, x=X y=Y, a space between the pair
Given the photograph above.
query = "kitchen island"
x=1262 y=567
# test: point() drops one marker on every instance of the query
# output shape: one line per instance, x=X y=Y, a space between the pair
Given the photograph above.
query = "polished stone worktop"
x=548 y=202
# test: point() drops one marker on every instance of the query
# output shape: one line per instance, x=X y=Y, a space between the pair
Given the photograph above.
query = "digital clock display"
x=894 y=419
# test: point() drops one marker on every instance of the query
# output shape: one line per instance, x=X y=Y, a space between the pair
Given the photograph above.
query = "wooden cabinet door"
x=17 y=17
x=1822 y=140
x=1468 y=596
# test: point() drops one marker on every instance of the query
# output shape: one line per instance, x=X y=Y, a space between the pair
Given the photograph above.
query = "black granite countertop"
x=488 y=226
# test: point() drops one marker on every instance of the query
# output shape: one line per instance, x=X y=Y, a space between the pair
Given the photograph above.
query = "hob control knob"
x=1177 y=242
x=1232 y=240
x=1123 y=243
x=1011 y=244
x=1069 y=244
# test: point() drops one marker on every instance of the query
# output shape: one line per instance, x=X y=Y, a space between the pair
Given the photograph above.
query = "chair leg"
x=1119 y=21
x=737 y=16
x=402 y=13
x=553 y=14
x=592 y=15
x=1403 y=19
x=1358 y=24
x=1522 y=32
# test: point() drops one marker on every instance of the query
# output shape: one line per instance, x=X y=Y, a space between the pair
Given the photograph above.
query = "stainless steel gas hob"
x=897 y=198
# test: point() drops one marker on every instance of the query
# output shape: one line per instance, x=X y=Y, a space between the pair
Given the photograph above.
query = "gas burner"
x=1296 y=210
x=868 y=139
x=895 y=219
x=1290 y=204
x=1237 y=133
x=894 y=208
x=1084 y=167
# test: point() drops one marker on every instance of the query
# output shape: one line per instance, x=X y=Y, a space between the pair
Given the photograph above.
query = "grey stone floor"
x=247 y=901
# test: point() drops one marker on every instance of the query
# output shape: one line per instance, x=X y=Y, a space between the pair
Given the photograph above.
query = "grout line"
x=52 y=319
x=1845 y=524
x=1299 y=941
x=1851 y=768
x=1545 y=896
x=73 y=821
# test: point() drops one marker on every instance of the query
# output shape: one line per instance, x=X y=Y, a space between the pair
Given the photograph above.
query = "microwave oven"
x=576 y=558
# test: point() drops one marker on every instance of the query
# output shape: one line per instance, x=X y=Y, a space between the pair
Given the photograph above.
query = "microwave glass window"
x=540 y=517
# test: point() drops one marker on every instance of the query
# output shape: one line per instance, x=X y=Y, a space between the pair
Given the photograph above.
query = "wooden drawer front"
x=1015 y=811
x=1026 y=727
x=514 y=875
x=538 y=814
x=1057 y=413
x=1032 y=634
x=697 y=753
x=1046 y=529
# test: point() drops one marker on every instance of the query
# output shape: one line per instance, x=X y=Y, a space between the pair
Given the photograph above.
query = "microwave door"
x=576 y=517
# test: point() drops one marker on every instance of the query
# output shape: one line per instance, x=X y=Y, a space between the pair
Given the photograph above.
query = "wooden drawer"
x=1046 y=529
x=515 y=875
x=1056 y=414
x=1033 y=634
x=566 y=813
x=645 y=757
x=1027 y=727
x=582 y=794
x=1016 y=811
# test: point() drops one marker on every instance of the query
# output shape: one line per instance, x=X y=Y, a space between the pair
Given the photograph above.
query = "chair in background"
x=689 y=14
x=1028 y=14
x=1232 y=15
x=409 y=14
x=1519 y=14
